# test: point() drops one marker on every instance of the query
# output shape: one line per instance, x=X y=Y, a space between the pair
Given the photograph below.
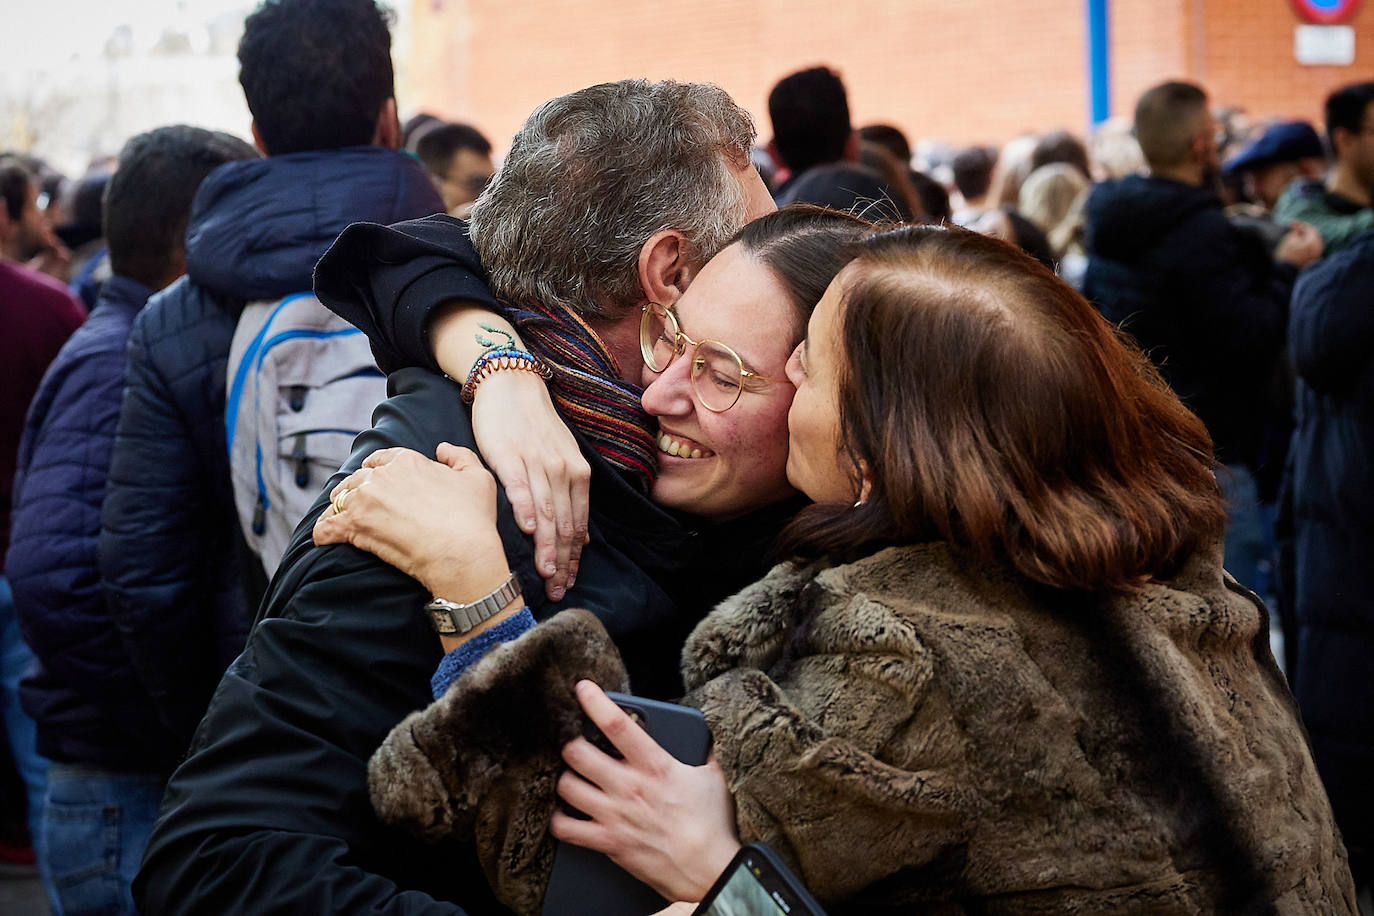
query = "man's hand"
x=670 y=825
x=1300 y=246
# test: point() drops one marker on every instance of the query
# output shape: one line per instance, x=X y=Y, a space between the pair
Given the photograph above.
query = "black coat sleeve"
x=270 y=811
x=388 y=280
x=1331 y=330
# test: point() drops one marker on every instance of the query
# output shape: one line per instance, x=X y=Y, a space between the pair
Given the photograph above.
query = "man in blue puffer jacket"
x=93 y=718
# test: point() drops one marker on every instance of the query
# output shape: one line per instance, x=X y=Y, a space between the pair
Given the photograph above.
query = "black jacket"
x=1202 y=299
x=172 y=559
x=270 y=812
x=1332 y=336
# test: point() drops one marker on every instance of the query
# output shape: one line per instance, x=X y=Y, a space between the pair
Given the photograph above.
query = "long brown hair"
x=993 y=408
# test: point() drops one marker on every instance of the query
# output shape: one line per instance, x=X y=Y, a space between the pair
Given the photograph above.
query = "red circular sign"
x=1326 y=12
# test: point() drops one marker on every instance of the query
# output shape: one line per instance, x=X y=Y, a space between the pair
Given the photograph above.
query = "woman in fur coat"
x=1003 y=670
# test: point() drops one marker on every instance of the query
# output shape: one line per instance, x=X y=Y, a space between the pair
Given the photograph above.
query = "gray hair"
x=593 y=174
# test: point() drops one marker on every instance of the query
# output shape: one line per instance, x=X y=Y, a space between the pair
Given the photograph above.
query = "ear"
x=1198 y=148
x=667 y=265
x=865 y=483
x=257 y=139
x=388 y=130
x=1340 y=140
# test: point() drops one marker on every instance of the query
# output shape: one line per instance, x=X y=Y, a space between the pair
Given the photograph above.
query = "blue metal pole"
x=1099 y=62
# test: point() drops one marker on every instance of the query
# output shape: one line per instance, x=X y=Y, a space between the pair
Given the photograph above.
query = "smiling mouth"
x=681 y=448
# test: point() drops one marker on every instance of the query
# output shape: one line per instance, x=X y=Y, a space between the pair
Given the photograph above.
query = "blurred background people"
x=1052 y=198
x=1280 y=154
x=1339 y=206
x=1114 y=150
x=972 y=174
x=1060 y=146
x=889 y=138
x=1012 y=168
x=80 y=231
x=415 y=127
x=1205 y=301
x=37 y=315
x=458 y=158
x=177 y=573
x=809 y=111
x=814 y=141
x=110 y=753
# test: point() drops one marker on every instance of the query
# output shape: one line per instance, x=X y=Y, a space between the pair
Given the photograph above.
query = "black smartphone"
x=587 y=883
x=757 y=883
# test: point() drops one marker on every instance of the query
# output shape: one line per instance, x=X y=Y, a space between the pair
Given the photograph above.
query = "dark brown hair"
x=993 y=408
x=804 y=246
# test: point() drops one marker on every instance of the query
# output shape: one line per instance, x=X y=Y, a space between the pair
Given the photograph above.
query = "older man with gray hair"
x=610 y=197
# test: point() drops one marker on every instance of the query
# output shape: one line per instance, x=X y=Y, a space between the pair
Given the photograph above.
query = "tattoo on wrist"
x=490 y=344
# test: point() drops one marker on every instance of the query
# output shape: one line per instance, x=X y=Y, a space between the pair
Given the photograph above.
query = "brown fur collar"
x=750 y=628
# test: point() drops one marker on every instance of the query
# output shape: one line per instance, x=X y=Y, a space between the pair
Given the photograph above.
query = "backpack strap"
x=251 y=355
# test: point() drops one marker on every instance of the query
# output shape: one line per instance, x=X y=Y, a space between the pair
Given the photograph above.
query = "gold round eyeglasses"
x=718 y=373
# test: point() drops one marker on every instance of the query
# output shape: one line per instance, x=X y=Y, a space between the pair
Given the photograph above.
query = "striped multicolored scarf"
x=587 y=387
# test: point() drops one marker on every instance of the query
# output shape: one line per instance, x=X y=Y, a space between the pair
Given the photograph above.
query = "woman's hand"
x=524 y=440
x=670 y=825
x=433 y=520
x=537 y=459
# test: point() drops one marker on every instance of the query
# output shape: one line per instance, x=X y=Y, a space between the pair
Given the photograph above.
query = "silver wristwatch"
x=451 y=619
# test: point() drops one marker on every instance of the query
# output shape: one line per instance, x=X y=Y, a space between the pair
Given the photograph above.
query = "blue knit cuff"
x=470 y=652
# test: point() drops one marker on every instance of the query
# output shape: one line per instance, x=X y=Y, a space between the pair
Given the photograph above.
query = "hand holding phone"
x=585 y=881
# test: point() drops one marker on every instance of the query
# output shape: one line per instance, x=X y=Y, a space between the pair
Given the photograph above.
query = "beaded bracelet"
x=500 y=359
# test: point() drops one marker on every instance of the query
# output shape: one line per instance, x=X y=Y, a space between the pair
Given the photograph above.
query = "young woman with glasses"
x=1002 y=671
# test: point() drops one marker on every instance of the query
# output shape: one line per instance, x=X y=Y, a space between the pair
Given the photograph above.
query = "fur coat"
x=915 y=735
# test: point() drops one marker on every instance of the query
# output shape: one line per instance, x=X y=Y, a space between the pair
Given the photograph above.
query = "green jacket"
x=1337 y=218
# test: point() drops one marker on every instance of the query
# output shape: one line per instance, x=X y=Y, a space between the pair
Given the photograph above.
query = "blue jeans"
x=96 y=825
x=15 y=660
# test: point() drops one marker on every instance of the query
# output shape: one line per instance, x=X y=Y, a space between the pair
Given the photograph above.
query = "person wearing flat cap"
x=1339 y=204
x=1285 y=151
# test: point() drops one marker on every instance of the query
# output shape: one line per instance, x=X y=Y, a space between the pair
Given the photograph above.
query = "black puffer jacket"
x=171 y=554
x=1203 y=300
x=1332 y=334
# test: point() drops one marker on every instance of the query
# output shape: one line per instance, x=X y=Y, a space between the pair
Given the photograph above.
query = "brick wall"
x=959 y=70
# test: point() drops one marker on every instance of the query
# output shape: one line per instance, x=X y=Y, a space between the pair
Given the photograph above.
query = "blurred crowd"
x=155 y=460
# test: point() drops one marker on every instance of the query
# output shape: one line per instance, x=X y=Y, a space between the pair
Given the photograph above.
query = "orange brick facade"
x=958 y=70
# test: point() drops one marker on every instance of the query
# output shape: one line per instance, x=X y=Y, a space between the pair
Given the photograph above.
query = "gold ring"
x=338 y=501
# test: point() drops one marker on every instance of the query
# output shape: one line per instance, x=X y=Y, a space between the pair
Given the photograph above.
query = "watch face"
x=443 y=621
x=450 y=619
